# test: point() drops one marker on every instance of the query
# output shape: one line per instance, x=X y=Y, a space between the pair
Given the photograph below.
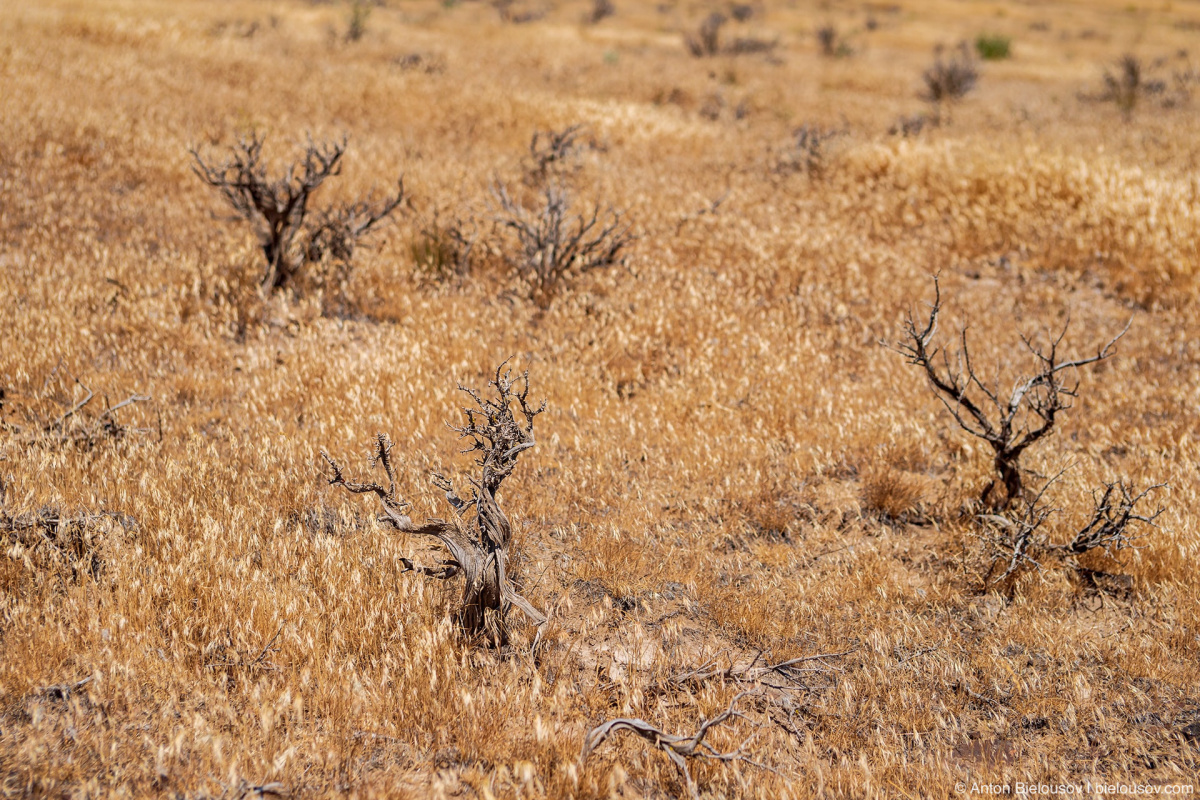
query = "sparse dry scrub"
x=706 y=41
x=1018 y=541
x=79 y=424
x=1128 y=84
x=810 y=152
x=728 y=461
x=950 y=79
x=554 y=154
x=58 y=545
x=479 y=544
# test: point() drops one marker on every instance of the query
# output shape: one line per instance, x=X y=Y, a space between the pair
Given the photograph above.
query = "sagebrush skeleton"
x=478 y=539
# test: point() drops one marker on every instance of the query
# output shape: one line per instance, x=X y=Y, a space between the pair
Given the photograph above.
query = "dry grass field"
x=734 y=471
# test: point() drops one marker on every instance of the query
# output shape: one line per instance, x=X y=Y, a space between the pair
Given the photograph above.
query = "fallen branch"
x=677 y=748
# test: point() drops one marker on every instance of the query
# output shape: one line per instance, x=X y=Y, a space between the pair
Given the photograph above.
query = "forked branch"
x=677 y=748
x=1114 y=510
x=555 y=245
x=1018 y=542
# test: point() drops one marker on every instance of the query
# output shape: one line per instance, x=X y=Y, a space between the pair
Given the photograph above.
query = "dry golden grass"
x=730 y=461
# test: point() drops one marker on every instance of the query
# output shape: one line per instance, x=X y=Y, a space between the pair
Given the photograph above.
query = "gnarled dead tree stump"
x=478 y=539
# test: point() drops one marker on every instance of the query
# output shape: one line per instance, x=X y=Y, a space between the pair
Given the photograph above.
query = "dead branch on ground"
x=787 y=675
x=677 y=748
x=77 y=425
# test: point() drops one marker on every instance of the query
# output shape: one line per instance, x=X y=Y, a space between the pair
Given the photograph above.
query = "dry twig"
x=677 y=748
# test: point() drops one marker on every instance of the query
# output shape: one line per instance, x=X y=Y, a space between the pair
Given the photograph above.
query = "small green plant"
x=991 y=47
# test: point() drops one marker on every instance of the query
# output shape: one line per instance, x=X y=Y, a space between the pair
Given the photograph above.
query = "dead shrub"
x=831 y=42
x=810 y=151
x=1128 y=83
x=601 y=10
x=1011 y=422
x=706 y=41
x=479 y=539
x=79 y=424
x=912 y=125
x=277 y=208
x=51 y=542
x=517 y=13
x=554 y=154
x=949 y=80
x=555 y=246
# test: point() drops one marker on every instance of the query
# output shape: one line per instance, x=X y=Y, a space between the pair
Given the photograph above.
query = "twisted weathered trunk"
x=478 y=540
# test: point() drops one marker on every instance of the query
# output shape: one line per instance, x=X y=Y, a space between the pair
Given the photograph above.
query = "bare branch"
x=677 y=748
x=1114 y=510
x=555 y=246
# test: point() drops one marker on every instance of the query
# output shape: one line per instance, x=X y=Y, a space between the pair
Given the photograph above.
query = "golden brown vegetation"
x=732 y=472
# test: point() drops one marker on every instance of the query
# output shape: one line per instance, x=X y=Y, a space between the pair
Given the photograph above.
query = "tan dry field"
x=731 y=466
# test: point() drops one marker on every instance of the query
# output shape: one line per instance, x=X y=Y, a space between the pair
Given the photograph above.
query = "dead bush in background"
x=831 y=42
x=601 y=10
x=1012 y=422
x=950 y=79
x=706 y=41
x=515 y=13
x=1128 y=84
x=810 y=151
x=277 y=208
x=554 y=245
x=52 y=542
x=555 y=154
x=480 y=538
